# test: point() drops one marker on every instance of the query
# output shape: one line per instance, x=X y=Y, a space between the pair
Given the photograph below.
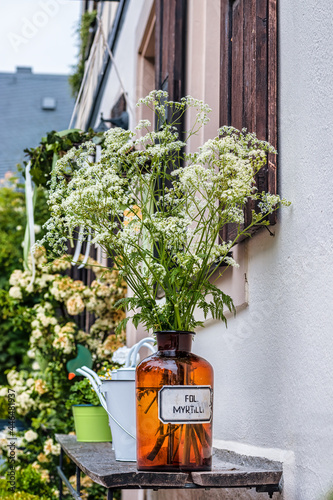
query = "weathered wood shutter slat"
x=236 y=66
x=272 y=135
x=170 y=47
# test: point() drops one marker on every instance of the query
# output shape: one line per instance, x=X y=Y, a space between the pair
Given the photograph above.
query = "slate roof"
x=23 y=122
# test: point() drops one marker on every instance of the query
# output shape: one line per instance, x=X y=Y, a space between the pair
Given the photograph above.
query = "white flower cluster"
x=64 y=337
x=120 y=355
x=143 y=124
x=15 y=292
x=24 y=387
x=47 y=329
x=202 y=108
x=5 y=437
x=267 y=202
x=174 y=230
x=20 y=280
x=30 y=435
x=153 y=98
x=50 y=447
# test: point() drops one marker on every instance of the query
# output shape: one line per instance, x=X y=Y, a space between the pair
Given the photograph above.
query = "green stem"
x=178 y=319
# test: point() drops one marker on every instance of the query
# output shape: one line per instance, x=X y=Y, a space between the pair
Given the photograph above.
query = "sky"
x=40 y=34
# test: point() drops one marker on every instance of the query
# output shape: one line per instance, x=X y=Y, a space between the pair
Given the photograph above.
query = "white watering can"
x=117 y=396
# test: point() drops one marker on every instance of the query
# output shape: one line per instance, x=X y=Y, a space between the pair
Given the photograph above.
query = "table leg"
x=60 y=466
x=110 y=494
x=78 y=480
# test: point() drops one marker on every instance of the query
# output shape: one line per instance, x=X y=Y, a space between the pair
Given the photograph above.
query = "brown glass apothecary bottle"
x=174 y=396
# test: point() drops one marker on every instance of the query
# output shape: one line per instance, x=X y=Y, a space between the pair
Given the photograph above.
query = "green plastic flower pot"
x=91 y=424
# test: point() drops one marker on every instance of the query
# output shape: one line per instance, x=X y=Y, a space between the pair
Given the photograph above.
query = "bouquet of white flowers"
x=158 y=210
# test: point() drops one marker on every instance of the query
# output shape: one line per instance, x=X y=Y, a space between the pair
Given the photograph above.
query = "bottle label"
x=185 y=404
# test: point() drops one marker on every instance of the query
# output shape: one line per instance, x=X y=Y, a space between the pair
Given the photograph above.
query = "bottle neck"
x=172 y=342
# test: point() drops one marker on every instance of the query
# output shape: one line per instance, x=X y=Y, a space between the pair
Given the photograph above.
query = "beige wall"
x=203 y=61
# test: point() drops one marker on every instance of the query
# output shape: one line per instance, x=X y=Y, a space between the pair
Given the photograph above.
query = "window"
x=49 y=103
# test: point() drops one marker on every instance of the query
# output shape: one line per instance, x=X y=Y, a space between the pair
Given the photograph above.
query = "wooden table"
x=229 y=470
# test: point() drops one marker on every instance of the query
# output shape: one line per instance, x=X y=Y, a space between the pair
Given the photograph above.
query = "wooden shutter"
x=249 y=78
x=170 y=41
x=170 y=50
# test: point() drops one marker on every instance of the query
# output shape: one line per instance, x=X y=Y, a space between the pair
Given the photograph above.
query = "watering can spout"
x=71 y=376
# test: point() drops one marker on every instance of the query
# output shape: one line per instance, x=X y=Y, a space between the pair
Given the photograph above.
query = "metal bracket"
x=63 y=479
x=269 y=489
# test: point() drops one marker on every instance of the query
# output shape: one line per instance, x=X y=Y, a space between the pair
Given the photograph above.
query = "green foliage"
x=84 y=31
x=53 y=146
x=12 y=226
x=12 y=222
x=30 y=481
x=80 y=393
x=20 y=495
x=14 y=320
x=5 y=494
x=98 y=491
x=3 y=409
x=14 y=334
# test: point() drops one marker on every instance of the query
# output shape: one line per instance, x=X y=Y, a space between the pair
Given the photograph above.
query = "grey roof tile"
x=23 y=122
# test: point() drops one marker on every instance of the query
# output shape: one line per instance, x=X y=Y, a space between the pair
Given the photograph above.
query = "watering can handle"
x=130 y=353
x=101 y=396
x=93 y=374
x=145 y=344
x=82 y=371
x=137 y=347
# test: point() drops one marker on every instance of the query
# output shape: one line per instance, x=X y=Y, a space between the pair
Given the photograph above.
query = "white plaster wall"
x=274 y=364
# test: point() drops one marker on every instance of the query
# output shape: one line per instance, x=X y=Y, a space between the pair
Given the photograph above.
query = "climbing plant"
x=84 y=31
